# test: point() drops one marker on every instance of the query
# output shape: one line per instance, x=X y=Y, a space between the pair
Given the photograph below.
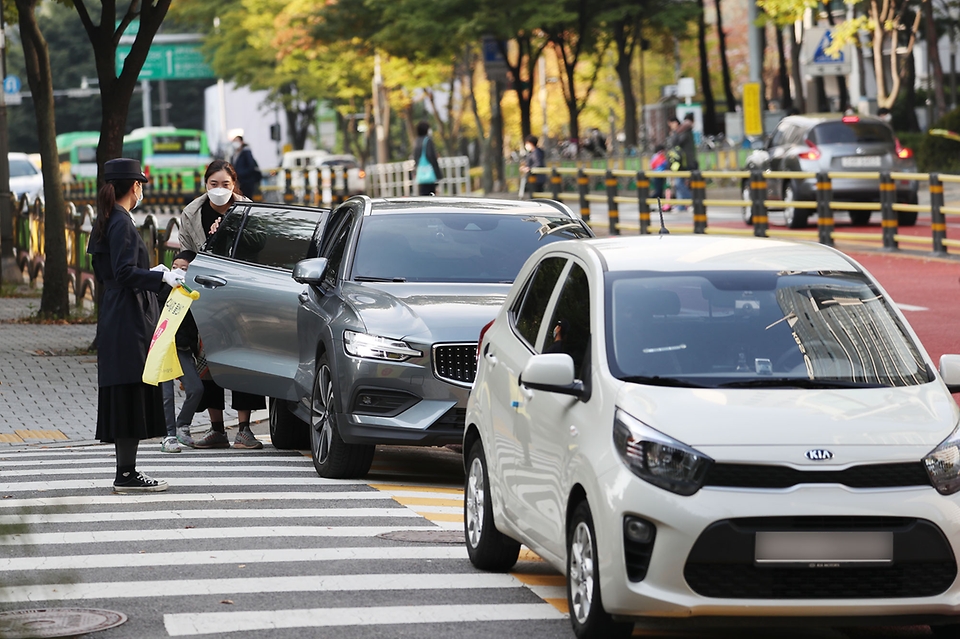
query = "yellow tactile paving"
x=559 y=603
x=428 y=501
x=540 y=580
x=40 y=434
x=528 y=555
x=441 y=517
x=10 y=438
x=389 y=488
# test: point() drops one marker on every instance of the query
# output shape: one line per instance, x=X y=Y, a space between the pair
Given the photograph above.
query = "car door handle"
x=208 y=281
x=490 y=357
x=303 y=297
x=526 y=392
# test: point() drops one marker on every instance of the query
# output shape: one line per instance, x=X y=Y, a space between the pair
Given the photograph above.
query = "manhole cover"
x=56 y=622
x=425 y=536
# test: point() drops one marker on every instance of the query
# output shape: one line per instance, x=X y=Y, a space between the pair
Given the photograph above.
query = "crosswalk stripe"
x=186 y=624
x=109 y=471
x=154 y=498
x=244 y=556
x=173 y=534
x=193 y=515
x=178 y=482
x=190 y=458
x=242 y=585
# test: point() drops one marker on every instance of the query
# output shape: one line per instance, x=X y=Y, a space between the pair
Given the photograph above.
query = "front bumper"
x=666 y=594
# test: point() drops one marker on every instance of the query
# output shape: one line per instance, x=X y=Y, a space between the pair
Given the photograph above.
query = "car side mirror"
x=310 y=271
x=950 y=372
x=553 y=373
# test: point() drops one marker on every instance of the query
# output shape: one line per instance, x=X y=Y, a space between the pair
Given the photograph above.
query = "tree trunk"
x=939 y=96
x=525 y=63
x=910 y=100
x=625 y=48
x=709 y=107
x=841 y=80
x=798 y=100
x=786 y=101
x=724 y=63
x=55 y=300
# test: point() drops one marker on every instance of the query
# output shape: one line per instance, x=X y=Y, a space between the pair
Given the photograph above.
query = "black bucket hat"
x=123 y=169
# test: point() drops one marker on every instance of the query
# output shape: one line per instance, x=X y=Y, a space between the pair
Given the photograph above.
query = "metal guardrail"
x=395 y=179
x=582 y=193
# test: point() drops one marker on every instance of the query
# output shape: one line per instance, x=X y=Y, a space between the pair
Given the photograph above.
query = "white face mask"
x=139 y=197
x=237 y=144
x=219 y=196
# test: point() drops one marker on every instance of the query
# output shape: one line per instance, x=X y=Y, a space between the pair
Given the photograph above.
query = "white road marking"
x=173 y=534
x=153 y=498
x=185 y=624
x=110 y=462
x=305 y=583
x=910 y=307
x=548 y=592
x=205 y=482
x=199 y=514
x=110 y=471
x=216 y=557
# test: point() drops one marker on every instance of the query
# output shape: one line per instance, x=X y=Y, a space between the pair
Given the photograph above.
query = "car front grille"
x=455 y=363
x=721 y=563
x=863 y=476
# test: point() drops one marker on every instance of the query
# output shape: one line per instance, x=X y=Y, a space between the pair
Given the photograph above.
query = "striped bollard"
x=824 y=212
x=613 y=210
x=758 y=212
x=643 y=192
x=938 y=223
x=556 y=182
x=888 y=217
x=287 y=186
x=698 y=190
x=583 y=183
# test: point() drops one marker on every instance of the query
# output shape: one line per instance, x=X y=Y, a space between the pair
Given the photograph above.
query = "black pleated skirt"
x=130 y=411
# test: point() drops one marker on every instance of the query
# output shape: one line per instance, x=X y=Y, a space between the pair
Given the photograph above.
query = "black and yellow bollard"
x=938 y=223
x=643 y=192
x=583 y=185
x=824 y=212
x=287 y=186
x=556 y=183
x=531 y=186
x=613 y=208
x=758 y=212
x=888 y=217
x=698 y=190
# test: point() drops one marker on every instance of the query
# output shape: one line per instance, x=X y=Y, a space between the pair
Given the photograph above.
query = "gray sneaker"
x=245 y=439
x=183 y=436
x=169 y=445
x=212 y=439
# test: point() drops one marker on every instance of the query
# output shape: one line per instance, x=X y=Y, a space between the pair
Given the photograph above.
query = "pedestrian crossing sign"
x=815 y=59
x=820 y=55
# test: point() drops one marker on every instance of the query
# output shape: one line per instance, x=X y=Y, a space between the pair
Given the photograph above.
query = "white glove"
x=160 y=267
x=173 y=279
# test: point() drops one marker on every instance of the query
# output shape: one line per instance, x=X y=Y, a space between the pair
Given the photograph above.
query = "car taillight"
x=850 y=119
x=812 y=154
x=146 y=170
x=904 y=153
x=483 y=331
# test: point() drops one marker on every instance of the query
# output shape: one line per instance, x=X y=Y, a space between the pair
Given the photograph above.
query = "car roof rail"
x=560 y=206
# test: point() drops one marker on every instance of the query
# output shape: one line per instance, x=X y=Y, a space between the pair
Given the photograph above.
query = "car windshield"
x=754 y=329
x=454 y=247
x=21 y=168
x=851 y=133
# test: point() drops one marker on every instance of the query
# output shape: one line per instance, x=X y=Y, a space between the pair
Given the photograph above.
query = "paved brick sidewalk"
x=48 y=394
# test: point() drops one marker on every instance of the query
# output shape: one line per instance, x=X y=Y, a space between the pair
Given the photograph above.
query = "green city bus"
x=168 y=151
x=77 y=153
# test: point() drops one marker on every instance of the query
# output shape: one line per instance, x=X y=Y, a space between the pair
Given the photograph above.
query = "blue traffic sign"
x=11 y=84
x=820 y=56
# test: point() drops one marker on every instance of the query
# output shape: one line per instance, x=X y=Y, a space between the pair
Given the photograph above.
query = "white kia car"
x=704 y=428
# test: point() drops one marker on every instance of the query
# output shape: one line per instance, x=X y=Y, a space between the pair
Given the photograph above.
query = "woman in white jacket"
x=199 y=220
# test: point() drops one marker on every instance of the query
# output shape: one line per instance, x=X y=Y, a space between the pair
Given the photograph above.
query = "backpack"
x=676 y=159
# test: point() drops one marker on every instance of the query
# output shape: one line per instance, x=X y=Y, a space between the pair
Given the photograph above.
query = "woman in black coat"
x=128 y=410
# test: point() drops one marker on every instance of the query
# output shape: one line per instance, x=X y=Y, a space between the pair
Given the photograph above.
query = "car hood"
x=425 y=313
x=921 y=416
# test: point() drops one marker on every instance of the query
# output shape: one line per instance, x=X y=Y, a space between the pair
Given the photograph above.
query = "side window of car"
x=226 y=236
x=570 y=322
x=278 y=238
x=528 y=314
x=336 y=251
x=330 y=233
x=778 y=135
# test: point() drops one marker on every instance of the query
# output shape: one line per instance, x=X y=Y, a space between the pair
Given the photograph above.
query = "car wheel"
x=332 y=457
x=747 y=211
x=793 y=217
x=287 y=431
x=488 y=548
x=587 y=615
x=860 y=218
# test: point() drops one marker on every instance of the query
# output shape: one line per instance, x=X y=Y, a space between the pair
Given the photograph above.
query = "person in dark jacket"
x=128 y=410
x=425 y=156
x=188 y=348
x=248 y=171
x=533 y=160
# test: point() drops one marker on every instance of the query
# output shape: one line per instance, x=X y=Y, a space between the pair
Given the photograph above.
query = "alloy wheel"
x=474 y=497
x=322 y=428
x=581 y=572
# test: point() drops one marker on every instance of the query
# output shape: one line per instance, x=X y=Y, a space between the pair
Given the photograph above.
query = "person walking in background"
x=534 y=159
x=128 y=410
x=188 y=348
x=201 y=219
x=427 y=167
x=248 y=171
x=682 y=151
x=658 y=185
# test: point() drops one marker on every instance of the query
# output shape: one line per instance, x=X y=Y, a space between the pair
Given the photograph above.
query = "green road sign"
x=174 y=61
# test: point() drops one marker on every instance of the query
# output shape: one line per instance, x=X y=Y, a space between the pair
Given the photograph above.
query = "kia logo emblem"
x=818 y=454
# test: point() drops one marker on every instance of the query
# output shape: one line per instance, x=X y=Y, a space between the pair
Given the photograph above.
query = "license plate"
x=861 y=161
x=823 y=547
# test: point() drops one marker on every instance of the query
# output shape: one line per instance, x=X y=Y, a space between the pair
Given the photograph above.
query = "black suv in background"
x=832 y=142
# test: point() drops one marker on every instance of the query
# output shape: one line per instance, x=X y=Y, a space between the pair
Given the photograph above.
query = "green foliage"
x=937 y=153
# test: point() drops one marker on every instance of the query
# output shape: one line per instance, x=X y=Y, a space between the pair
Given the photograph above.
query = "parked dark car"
x=832 y=142
x=373 y=339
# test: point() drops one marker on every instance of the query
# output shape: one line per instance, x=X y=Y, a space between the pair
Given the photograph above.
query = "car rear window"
x=20 y=168
x=454 y=247
x=850 y=133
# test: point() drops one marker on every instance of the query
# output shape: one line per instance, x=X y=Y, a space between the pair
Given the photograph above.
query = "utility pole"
x=378 y=119
x=753 y=42
x=8 y=264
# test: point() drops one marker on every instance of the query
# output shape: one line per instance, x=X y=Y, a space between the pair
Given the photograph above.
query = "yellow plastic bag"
x=162 y=362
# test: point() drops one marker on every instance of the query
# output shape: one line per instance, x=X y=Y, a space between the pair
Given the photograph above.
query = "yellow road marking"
x=540 y=580
x=387 y=488
x=427 y=501
x=441 y=517
x=559 y=604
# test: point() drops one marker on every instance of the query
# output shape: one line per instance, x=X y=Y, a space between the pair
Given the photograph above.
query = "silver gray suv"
x=832 y=142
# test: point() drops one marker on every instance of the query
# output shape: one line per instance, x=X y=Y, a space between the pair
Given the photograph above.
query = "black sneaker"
x=135 y=482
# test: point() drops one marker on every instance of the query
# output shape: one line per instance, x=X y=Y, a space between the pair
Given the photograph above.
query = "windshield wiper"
x=656 y=380
x=798 y=382
x=367 y=278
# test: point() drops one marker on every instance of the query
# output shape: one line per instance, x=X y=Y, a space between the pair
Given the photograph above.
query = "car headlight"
x=376 y=347
x=658 y=459
x=943 y=465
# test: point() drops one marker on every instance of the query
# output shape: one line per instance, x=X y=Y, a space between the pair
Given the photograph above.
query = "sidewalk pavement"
x=48 y=392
